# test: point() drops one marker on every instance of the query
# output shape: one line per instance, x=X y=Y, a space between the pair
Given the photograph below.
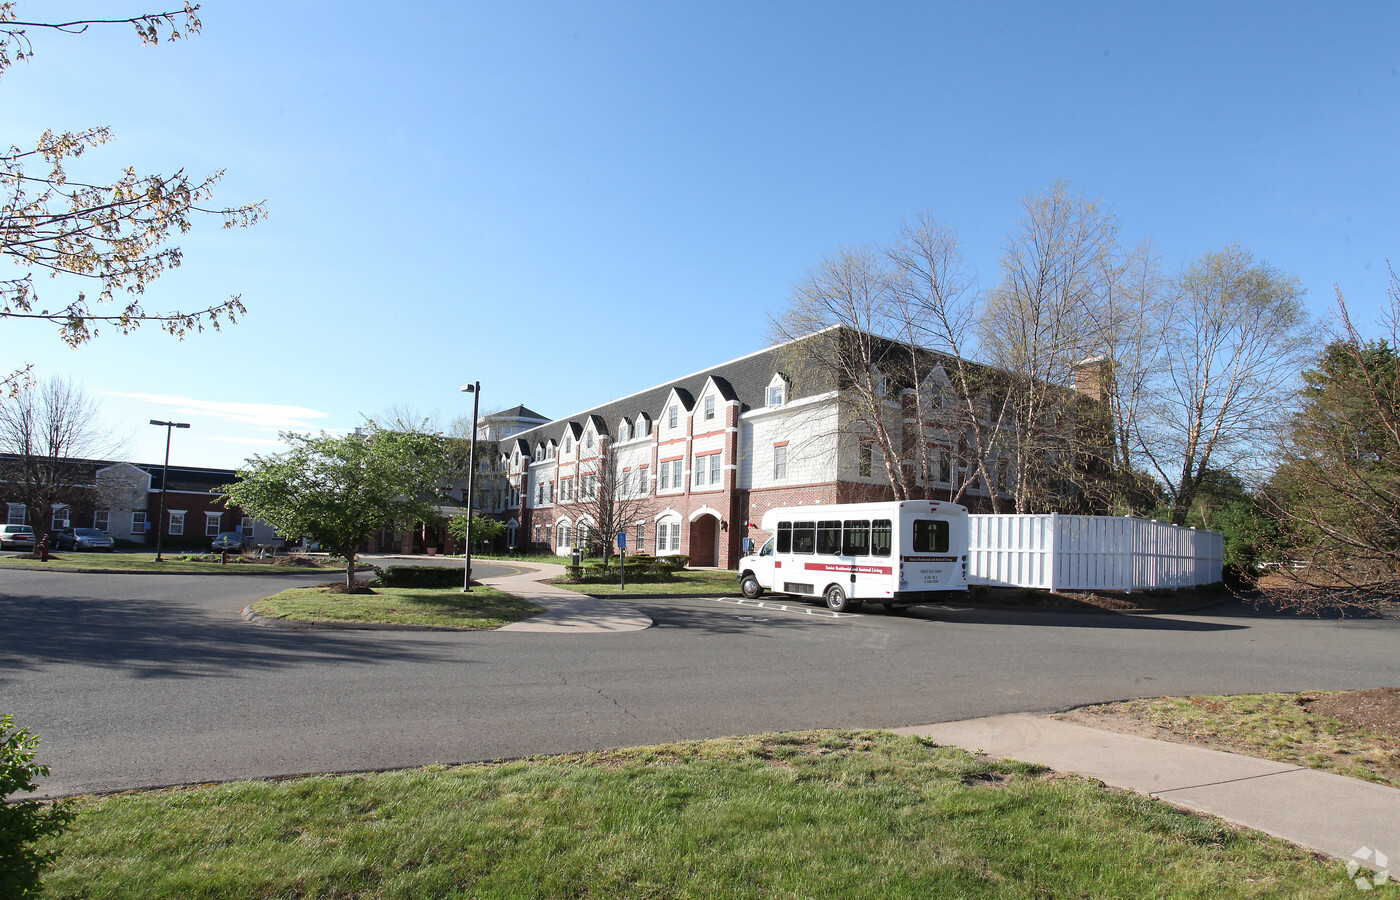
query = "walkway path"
x=1336 y=815
x=567 y=611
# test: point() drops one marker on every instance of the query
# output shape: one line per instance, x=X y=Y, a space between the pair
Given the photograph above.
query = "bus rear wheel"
x=836 y=599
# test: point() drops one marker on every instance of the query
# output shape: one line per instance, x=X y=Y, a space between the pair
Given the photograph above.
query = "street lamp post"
x=164 y=477
x=475 y=390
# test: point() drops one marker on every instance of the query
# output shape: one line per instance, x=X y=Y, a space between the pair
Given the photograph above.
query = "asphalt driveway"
x=135 y=681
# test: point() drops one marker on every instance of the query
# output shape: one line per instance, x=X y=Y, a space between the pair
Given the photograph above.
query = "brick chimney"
x=1093 y=377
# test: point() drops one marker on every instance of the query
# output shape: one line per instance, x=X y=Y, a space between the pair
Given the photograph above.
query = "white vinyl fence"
x=1119 y=553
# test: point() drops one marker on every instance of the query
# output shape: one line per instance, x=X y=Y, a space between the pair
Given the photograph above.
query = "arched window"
x=668 y=535
x=562 y=535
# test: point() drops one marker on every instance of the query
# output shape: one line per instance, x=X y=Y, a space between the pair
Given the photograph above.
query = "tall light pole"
x=164 y=477
x=475 y=390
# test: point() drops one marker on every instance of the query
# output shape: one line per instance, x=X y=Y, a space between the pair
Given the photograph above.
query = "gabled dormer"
x=778 y=391
x=710 y=404
x=674 y=412
x=568 y=440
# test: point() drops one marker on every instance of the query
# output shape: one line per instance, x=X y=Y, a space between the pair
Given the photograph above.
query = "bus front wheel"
x=836 y=599
x=750 y=587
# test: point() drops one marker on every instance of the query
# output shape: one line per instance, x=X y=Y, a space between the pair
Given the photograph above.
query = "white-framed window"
x=673 y=417
x=177 y=523
x=643 y=426
x=709 y=408
x=677 y=473
x=663 y=482
x=15 y=515
x=707 y=470
x=780 y=462
x=138 y=522
x=668 y=536
x=583 y=532
x=588 y=441
x=624 y=483
x=246 y=527
x=568 y=444
x=643 y=480
x=213 y=522
x=640 y=543
x=61 y=515
x=588 y=488
x=100 y=519
x=562 y=535
x=624 y=431
x=777 y=391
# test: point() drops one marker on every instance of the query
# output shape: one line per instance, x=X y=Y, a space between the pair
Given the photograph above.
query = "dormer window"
x=777 y=391
x=624 y=431
x=643 y=426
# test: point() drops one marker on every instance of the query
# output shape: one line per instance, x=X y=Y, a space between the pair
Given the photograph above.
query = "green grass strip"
x=484 y=607
x=811 y=814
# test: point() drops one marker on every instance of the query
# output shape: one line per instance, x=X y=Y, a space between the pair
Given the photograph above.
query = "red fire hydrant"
x=44 y=548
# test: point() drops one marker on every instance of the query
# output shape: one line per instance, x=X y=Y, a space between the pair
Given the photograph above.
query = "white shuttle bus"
x=897 y=553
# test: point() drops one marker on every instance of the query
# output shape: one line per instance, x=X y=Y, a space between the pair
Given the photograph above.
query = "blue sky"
x=572 y=202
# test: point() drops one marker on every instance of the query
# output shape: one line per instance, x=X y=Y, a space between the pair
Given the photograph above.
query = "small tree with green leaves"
x=338 y=491
x=484 y=530
x=24 y=822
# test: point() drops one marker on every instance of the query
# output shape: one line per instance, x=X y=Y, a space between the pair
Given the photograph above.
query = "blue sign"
x=622 y=540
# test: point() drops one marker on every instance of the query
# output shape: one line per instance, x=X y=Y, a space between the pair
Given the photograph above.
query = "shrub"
x=420 y=576
x=22 y=822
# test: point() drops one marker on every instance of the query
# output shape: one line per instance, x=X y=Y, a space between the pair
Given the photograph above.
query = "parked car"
x=83 y=539
x=16 y=537
x=229 y=540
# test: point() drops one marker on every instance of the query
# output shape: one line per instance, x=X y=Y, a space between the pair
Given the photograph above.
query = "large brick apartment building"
x=708 y=453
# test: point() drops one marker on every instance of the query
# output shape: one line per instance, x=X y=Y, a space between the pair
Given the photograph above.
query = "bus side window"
x=856 y=538
x=829 y=538
x=930 y=536
x=882 y=537
x=784 y=537
x=804 y=537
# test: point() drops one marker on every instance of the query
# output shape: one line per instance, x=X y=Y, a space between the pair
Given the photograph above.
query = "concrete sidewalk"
x=567 y=611
x=1336 y=815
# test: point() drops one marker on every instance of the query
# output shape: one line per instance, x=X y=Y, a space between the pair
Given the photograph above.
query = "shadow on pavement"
x=155 y=639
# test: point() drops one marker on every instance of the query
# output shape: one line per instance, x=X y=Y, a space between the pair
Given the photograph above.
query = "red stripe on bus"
x=859 y=570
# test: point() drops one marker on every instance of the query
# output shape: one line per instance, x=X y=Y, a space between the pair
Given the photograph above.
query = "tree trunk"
x=349 y=554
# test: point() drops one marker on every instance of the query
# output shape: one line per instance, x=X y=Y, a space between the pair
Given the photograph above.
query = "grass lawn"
x=146 y=563
x=484 y=607
x=1280 y=727
x=811 y=814
x=686 y=581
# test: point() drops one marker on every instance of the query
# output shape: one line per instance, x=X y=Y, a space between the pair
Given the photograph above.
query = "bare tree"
x=610 y=496
x=936 y=306
x=846 y=307
x=51 y=433
x=1236 y=340
x=115 y=236
x=1037 y=325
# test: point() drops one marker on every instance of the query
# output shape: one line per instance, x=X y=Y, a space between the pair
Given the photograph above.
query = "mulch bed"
x=1377 y=709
